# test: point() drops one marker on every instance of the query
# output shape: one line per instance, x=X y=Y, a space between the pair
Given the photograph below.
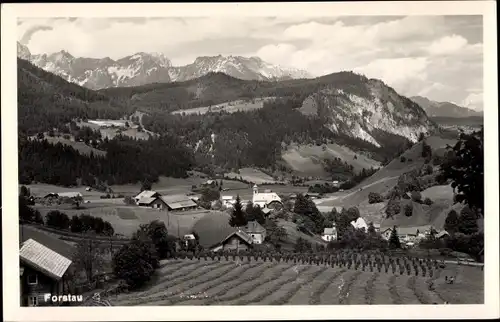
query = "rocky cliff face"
x=146 y=68
x=368 y=107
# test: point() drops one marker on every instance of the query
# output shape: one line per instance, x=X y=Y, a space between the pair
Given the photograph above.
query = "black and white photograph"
x=222 y=158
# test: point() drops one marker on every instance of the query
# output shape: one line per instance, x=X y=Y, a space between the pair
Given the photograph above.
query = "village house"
x=265 y=199
x=377 y=227
x=227 y=201
x=177 y=202
x=329 y=234
x=256 y=231
x=45 y=265
x=360 y=223
x=147 y=195
x=236 y=241
x=408 y=234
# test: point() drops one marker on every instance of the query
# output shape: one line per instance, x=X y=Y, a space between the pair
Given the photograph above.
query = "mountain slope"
x=443 y=109
x=147 y=68
x=46 y=100
x=345 y=103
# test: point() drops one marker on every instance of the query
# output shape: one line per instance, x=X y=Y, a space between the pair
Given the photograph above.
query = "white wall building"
x=359 y=224
x=264 y=199
x=329 y=234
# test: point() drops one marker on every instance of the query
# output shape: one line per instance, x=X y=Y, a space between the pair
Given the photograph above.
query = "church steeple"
x=255 y=189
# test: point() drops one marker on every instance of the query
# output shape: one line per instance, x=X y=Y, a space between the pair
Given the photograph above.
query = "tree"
x=416 y=196
x=254 y=213
x=157 y=233
x=467 y=221
x=394 y=239
x=421 y=137
x=343 y=223
x=57 y=219
x=451 y=222
x=274 y=233
x=24 y=191
x=374 y=197
x=75 y=224
x=464 y=166
x=408 y=210
x=146 y=185
x=77 y=200
x=302 y=246
x=238 y=217
x=371 y=229
x=426 y=150
x=393 y=208
x=88 y=257
x=210 y=194
x=135 y=262
x=26 y=213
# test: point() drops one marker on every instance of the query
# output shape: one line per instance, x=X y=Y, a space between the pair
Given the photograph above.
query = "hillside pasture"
x=42 y=189
x=126 y=219
x=228 y=107
x=117 y=128
x=255 y=282
x=251 y=175
x=307 y=159
x=169 y=185
x=79 y=146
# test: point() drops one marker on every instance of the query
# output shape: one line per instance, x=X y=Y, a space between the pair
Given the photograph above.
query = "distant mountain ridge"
x=443 y=109
x=147 y=68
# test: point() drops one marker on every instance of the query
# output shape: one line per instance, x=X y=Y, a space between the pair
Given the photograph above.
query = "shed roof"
x=178 y=201
x=44 y=259
x=146 y=200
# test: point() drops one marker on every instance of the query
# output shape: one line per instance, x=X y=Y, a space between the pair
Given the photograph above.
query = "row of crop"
x=396 y=267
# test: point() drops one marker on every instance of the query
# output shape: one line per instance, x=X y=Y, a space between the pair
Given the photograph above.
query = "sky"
x=439 y=57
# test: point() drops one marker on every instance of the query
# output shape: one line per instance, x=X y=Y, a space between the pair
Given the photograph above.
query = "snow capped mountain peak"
x=153 y=67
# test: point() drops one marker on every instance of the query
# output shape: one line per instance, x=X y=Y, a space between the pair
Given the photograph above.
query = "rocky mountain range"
x=443 y=109
x=146 y=68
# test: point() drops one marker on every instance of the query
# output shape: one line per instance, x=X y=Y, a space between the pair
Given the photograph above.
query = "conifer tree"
x=238 y=217
x=394 y=239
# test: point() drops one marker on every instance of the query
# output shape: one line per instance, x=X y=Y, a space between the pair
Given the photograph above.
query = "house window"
x=32 y=279
x=33 y=301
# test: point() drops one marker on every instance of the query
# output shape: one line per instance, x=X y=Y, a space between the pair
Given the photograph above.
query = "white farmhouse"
x=227 y=201
x=329 y=234
x=359 y=224
x=266 y=199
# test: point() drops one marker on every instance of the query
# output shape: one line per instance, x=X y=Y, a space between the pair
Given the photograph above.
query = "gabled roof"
x=254 y=227
x=146 y=200
x=241 y=235
x=44 y=259
x=412 y=230
x=146 y=194
x=329 y=231
x=178 y=201
x=60 y=246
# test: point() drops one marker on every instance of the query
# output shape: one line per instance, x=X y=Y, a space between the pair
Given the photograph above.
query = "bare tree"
x=88 y=257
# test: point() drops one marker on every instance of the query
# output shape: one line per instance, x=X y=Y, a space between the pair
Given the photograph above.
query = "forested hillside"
x=46 y=101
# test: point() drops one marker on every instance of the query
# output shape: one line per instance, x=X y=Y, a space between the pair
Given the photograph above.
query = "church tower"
x=255 y=189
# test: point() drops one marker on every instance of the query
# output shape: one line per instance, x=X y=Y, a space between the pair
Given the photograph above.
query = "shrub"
x=57 y=219
x=374 y=197
x=402 y=159
x=408 y=210
x=428 y=201
x=393 y=208
x=416 y=196
x=135 y=262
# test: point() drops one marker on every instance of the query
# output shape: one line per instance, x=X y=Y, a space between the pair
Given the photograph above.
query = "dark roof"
x=59 y=246
x=213 y=228
x=254 y=227
x=241 y=235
